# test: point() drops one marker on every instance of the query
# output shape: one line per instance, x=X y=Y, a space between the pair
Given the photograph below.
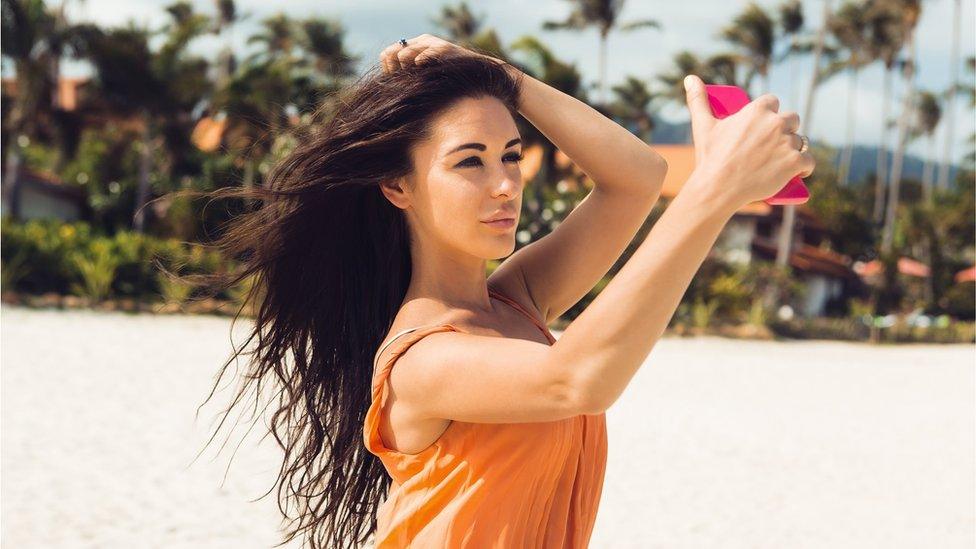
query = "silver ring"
x=804 y=143
x=403 y=42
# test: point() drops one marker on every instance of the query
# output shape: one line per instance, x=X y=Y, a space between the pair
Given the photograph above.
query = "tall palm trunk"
x=793 y=87
x=881 y=172
x=145 y=164
x=845 y=162
x=12 y=179
x=789 y=211
x=950 y=118
x=927 y=171
x=896 y=164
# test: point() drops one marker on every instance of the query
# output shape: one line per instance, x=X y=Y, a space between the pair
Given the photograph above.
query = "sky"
x=371 y=25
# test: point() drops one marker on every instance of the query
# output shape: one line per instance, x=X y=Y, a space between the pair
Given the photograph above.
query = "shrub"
x=46 y=255
x=35 y=254
x=960 y=301
x=96 y=268
x=702 y=312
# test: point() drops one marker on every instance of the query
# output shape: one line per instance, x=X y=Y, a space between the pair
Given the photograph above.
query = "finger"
x=805 y=163
x=406 y=55
x=393 y=58
x=702 y=118
x=792 y=121
x=424 y=56
x=767 y=101
x=383 y=62
x=385 y=56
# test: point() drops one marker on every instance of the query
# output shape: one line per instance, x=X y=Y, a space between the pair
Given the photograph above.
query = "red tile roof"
x=906 y=266
x=966 y=275
x=807 y=258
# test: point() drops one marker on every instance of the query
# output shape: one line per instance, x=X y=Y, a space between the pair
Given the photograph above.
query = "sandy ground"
x=716 y=443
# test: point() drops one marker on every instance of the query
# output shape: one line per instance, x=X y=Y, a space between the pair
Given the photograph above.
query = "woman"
x=370 y=252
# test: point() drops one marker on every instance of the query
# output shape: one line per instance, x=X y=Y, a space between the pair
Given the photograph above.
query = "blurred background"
x=846 y=323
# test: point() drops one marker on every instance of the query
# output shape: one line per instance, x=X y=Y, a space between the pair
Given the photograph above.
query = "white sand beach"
x=716 y=443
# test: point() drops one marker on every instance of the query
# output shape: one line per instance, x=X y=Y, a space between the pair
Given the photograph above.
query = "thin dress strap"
x=392 y=339
x=520 y=308
x=492 y=292
x=400 y=333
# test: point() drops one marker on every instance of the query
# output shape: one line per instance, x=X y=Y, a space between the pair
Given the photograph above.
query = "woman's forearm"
x=607 y=343
x=614 y=158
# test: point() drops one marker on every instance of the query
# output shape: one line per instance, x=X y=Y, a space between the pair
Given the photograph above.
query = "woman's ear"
x=396 y=192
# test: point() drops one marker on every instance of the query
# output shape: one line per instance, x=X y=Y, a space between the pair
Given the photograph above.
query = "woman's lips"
x=501 y=223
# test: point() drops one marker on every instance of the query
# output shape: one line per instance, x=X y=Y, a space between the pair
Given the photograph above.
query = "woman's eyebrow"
x=481 y=146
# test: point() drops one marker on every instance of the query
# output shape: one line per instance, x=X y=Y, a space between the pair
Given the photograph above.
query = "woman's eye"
x=475 y=161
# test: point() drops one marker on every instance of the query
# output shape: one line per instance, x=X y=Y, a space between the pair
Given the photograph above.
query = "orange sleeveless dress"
x=490 y=485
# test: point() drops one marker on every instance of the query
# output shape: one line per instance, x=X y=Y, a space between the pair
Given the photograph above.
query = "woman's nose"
x=508 y=184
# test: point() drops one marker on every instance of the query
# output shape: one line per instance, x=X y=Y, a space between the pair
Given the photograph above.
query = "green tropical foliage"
x=131 y=138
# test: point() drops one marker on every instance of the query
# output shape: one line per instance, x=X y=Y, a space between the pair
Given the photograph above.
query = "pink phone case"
x=726 y=100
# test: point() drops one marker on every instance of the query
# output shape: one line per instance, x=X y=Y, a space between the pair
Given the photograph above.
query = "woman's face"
x=466 y=173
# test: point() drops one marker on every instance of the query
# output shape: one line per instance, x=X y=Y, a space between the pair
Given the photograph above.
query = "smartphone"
x=726 y=100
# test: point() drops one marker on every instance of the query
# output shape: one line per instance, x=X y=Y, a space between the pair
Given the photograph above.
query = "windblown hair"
x=329 y=260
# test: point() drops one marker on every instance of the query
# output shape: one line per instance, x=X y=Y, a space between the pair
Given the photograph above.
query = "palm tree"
x=459 y=23
x=785 y=240
x=849 y=29
x=603 y=15
x=722 y=68
x=951 y=99
x=155 y=92
x=927 y=114
x=910 y=11
x=921 y=224
x=791 y=23
x=299 y=61
x=684 y=63
x=276 y=39
x=254 y=105
x=322 y=42
x=752 y=32
x=466 y=29
x=633 y=104
x=885 y=40
x=971 y=92
x=227 y=17
x=718 y=69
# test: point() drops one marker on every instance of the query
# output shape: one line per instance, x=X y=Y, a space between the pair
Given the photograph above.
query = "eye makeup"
x=516 y=157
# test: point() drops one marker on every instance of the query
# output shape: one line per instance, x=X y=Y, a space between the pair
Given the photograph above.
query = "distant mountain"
x=863 y=158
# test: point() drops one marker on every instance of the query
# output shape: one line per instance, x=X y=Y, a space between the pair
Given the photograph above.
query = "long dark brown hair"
x=328 y=257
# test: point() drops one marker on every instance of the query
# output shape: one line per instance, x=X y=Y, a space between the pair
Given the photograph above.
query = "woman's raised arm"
x=614 y=158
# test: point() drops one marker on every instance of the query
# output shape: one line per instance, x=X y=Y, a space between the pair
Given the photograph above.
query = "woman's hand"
x=419 y=49
x=749 y=155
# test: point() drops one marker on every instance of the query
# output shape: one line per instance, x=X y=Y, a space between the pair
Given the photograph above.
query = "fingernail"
x=686 y=82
